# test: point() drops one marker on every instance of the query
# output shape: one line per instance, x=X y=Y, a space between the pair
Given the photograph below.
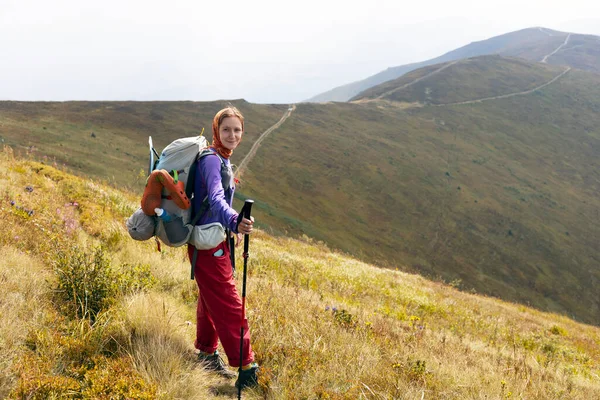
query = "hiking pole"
x=245 y=213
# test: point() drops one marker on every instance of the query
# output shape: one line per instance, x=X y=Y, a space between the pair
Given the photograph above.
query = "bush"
x=87 y=283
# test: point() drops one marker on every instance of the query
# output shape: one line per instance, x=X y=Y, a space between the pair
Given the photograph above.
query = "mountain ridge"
x=506 y=77
x=531 y=43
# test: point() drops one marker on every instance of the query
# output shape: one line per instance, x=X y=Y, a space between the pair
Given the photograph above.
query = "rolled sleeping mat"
x=152 y=196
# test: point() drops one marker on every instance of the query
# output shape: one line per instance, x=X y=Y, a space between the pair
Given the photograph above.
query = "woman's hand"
x=245 y=228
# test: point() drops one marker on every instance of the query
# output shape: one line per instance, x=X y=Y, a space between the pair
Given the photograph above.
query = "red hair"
x=217 y=120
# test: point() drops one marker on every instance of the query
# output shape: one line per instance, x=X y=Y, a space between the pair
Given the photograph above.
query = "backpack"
x=169 y=190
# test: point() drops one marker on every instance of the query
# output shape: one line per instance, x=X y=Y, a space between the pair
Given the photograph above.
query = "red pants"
x=219 y=312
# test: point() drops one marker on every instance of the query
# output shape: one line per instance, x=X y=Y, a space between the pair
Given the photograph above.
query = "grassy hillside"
x=501 y=197
x=469 y=79
x=533 y=44
x=88 y=313
x=118 y=149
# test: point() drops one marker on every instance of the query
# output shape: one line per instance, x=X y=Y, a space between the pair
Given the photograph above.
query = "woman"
x=219 y=307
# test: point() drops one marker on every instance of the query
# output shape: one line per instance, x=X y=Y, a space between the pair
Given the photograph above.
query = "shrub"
x=558 y=330
x=87 y=283
x=344 y=318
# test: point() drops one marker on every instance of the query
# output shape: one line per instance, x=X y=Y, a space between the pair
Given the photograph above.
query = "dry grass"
x=21 y=308
x=402 y=335
x=324 y=325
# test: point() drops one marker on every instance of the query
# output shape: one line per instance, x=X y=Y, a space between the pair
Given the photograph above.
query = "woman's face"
x=230 y=132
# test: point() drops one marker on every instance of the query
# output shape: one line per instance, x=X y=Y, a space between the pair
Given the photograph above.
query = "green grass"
x=61 y=133
x=323 y=325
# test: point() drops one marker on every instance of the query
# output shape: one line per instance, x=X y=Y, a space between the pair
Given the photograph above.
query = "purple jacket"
x=208 y=183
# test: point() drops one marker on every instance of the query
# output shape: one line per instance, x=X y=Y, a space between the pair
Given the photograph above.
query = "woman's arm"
x=220 y=210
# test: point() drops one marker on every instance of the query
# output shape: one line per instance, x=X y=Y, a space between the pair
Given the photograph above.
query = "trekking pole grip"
x=246 y=214
x=247 y=208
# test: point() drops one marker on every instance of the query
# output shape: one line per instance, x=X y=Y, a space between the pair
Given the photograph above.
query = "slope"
x=583 y=51
x=499 y=196
x=323 y=325
x=109 y=139
x=458 y=81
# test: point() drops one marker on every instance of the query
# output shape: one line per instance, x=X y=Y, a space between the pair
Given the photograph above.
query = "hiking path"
x=244 y=164
x=416 y=80
x=545 y=59
x=505 y=96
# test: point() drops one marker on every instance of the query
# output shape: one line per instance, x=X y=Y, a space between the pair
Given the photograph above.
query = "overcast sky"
x=266 y=51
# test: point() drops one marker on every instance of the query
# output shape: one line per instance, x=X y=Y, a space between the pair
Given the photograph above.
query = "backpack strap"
x=189 y=190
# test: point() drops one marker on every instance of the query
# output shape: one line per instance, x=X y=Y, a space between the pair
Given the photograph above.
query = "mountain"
x=534 y=44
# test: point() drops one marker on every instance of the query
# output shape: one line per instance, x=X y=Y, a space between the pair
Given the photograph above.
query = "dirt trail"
x=416 y=80
x=256 y=145
x=504 y=96
x=557 y=49
x=545 y=31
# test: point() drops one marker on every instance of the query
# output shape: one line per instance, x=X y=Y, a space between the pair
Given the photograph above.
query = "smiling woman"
x=220 y=307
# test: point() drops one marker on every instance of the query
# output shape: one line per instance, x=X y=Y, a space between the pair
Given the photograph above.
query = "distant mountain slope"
x=532 y=44
x=118 y=148
x=500 y=196
x=582 y=52
x=463 y=80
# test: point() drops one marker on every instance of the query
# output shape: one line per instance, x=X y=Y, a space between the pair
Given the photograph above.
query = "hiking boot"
x=214 y=362
x=247 y=378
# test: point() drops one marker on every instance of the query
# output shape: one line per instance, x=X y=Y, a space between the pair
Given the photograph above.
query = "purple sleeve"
x=220 y=209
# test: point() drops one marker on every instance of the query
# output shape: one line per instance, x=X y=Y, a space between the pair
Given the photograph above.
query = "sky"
x=265 y=51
